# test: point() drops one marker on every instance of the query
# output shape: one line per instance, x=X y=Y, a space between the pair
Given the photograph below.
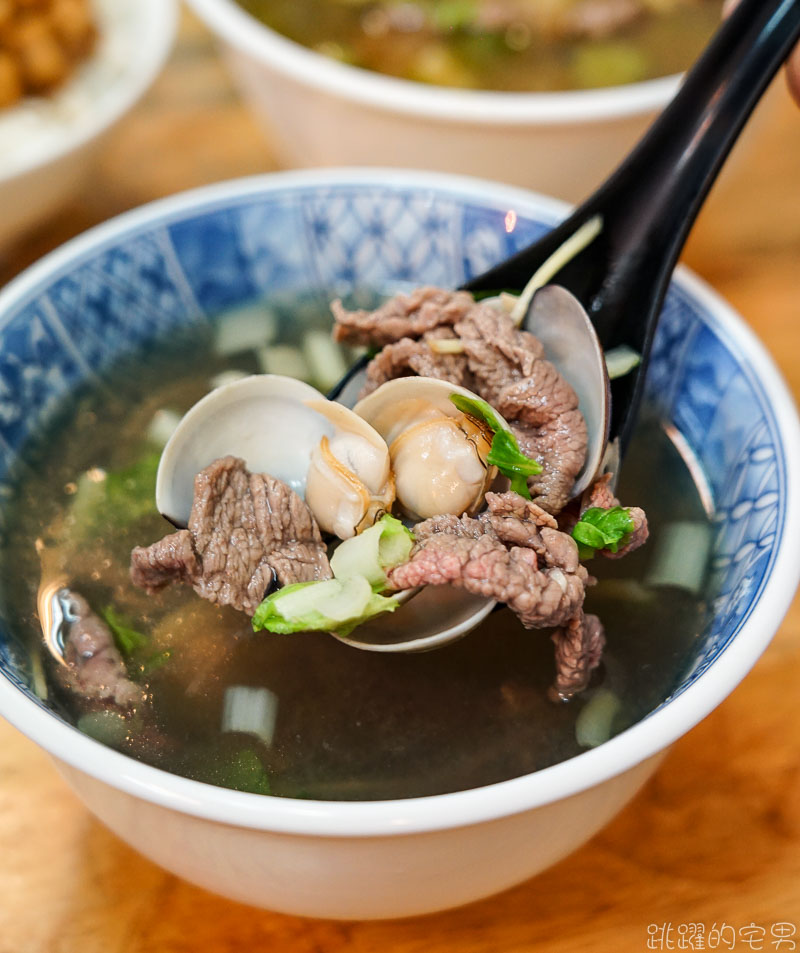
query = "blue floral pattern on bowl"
x=186 y=266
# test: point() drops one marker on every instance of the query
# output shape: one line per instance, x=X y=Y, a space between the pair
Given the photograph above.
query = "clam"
x=278 y=425
x=349 y=483
x=438 y=454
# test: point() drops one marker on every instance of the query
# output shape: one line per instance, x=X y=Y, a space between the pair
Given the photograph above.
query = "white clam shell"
x=570 y=342
x=276 y=425
x=262 y=419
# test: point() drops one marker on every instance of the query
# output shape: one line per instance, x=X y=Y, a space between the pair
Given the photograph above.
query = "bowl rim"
x=638 y=743
x=161 y=17
x=329 y=77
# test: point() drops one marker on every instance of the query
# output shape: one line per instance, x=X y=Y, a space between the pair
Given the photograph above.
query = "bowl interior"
x=188 y=259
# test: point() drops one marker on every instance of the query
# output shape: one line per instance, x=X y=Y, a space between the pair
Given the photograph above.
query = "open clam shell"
x=281 y=426
x=570 y=342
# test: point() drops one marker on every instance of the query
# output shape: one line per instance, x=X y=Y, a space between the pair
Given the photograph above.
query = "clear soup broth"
x=320 y=719
x=512 y=45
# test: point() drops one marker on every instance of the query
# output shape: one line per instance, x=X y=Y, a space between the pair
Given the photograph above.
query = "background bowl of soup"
x=368 y=785
x=544 y=95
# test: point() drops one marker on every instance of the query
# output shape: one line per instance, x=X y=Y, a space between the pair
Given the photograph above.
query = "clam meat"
x=438 y=454
x=349 y=483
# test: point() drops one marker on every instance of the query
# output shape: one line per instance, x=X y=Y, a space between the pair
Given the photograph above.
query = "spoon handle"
x=650 y=202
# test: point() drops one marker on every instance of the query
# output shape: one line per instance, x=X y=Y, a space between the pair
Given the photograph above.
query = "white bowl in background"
x=320 y=112
x=46 y=143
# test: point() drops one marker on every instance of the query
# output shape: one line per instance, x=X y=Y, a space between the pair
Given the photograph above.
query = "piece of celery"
x=383 y=546
x=331 y=605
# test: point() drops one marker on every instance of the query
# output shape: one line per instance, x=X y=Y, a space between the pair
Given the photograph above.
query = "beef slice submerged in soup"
x=185 y=684
x=514 y=45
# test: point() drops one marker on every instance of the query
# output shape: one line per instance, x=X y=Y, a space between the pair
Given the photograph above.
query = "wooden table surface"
x=713 y=840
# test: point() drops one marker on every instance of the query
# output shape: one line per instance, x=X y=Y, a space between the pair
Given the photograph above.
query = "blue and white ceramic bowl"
x=187 y=258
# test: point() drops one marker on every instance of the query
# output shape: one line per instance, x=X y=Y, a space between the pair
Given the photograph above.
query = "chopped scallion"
x=594 y=725
x=331 y=605
x=127 y=639
x=383 y=546
x=602 y=529
x=505 y=453
x=621 y=360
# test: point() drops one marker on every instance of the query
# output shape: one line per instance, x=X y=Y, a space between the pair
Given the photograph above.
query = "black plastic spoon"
x=647 y=206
